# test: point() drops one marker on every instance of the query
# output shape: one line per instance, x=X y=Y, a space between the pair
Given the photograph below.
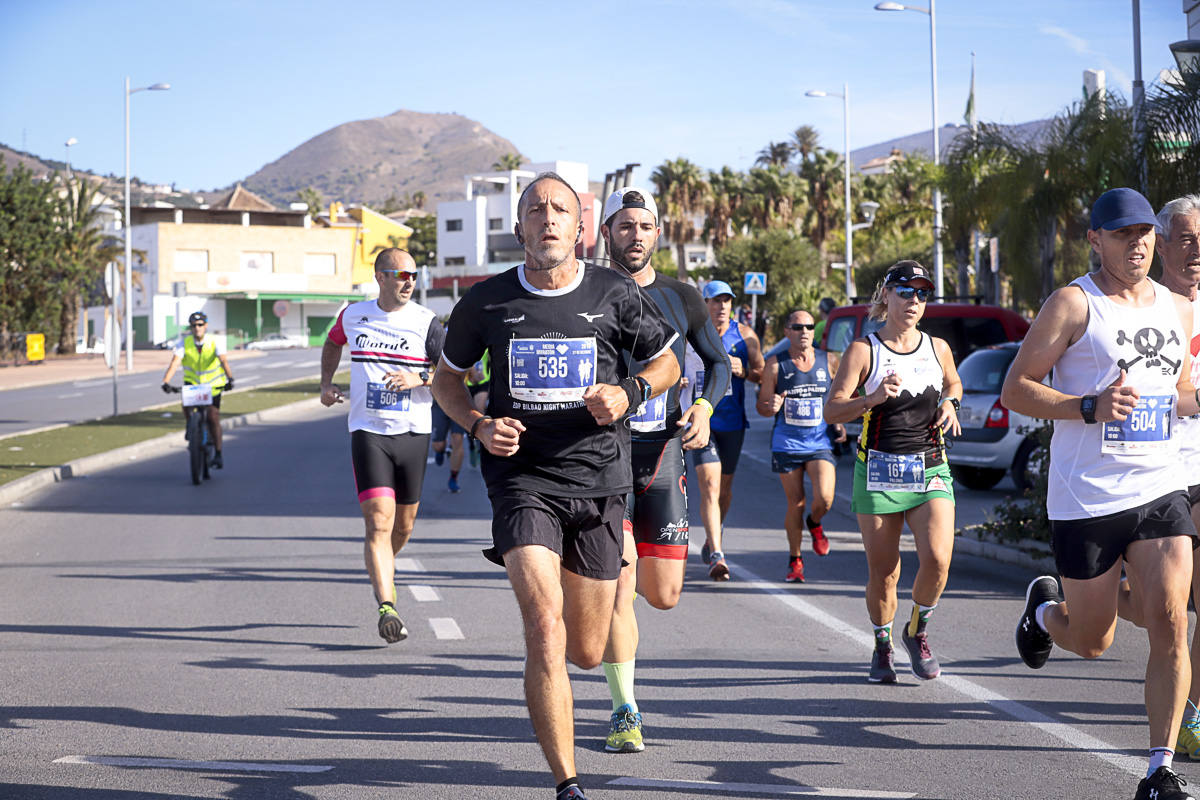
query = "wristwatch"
x=1087 y=408
x=423 y=375
x=644 y=385
x=954 y=401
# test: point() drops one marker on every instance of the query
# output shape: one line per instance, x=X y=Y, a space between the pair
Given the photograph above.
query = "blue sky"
x=606 y=83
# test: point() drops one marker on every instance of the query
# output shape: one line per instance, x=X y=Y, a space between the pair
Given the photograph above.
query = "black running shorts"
x=723 y=446
x=1194 y=494
x=657 y=506
x=443 y=425
x=585 y=532
x=389 y=465
x=1087 y=548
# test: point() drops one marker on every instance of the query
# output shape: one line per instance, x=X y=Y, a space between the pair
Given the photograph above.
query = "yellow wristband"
x=700 y=401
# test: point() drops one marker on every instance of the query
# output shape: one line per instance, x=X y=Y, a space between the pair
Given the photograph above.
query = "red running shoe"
x=795 y=570
x=820 y=544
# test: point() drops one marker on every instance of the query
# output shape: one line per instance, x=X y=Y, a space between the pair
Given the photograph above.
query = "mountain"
x=922 y=142
x=370 y=160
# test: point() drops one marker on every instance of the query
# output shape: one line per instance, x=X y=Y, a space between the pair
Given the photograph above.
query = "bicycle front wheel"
x=195 y=438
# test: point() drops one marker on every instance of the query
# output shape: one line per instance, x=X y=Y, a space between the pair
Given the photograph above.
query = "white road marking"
x=767 y=461
x=86 y=384
x=72 y=394
x=141 y=386
x=761 y=788
x=1073 y=737
x=445 y=628
x=178 y=763
x=424 y=594
x=277 y=366
x=409 y=565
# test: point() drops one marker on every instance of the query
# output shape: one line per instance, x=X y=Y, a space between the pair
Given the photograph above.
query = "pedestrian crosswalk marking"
x=424 y=594
x=445 y=628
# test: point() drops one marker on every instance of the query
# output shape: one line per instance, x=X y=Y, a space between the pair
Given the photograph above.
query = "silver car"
x=995 y=440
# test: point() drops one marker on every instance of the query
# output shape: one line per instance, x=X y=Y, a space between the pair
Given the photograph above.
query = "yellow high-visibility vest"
x=201 y=365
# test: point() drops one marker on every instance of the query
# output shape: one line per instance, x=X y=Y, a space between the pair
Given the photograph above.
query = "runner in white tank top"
x=1178 y=247
x=1118 y=344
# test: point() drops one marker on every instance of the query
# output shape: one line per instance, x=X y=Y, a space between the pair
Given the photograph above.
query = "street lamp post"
x=158 y=87
x=937 y=154
x=67 y=149
x=845 y=95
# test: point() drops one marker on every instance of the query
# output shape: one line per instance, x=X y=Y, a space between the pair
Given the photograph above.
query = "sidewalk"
x=61 y=369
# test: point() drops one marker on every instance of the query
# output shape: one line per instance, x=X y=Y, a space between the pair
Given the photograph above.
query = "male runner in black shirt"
x=656 y=516
x=556 y=462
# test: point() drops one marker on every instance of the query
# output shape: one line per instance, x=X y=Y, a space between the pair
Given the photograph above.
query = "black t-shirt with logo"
x=546 y=347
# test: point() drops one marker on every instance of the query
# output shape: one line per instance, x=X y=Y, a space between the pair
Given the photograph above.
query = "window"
x=839 y=334
x=454 y=225
x=983 y=371
x=495 y=224
x=320 y=264
x=191 y=261
x=456 y=261
x=258 y=262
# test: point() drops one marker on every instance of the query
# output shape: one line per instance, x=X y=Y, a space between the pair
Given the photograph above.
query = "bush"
x=1025 y=517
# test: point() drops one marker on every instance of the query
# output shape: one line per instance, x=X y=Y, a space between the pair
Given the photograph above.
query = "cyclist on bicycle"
x=204 y=361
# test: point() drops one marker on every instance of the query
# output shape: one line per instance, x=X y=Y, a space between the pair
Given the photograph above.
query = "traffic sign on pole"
x=755 y=283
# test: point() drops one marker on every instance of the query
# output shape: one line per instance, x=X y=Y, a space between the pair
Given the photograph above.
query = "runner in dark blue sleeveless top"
x=794 y=387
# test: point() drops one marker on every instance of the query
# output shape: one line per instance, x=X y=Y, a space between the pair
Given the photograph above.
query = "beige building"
x=252 y=269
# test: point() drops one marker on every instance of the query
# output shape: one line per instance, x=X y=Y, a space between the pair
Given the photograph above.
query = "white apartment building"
x=475 y=235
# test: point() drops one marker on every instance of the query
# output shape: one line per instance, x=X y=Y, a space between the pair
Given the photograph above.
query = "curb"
x=1031 y=554
x=22 y=487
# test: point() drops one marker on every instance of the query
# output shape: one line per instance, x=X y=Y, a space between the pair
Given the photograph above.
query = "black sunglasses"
x=908 y=292
x=198 y=324
x=800 y=326
x=403 y=274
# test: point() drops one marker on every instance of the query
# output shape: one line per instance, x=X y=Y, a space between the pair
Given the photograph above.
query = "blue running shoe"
x=439 y=457
x=452 y=485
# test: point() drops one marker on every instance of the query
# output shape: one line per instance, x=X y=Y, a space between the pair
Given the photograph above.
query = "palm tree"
x=681 y=194
x=775 y=154
x=805 y=141
x=1173 y=138
x=418 y=200
x=728 y=191
x=507 y=162
x=85 y=251
x=825 y=174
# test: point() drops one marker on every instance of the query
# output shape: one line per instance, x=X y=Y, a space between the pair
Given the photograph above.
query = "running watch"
x=1087 y=408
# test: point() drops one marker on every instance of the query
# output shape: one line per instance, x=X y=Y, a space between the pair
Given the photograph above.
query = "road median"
x=31 y=461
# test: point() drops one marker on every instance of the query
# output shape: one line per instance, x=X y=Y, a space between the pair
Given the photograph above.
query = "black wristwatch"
x=644 y=385
x=423 y=375
x=1087 y=408
x=954 y=401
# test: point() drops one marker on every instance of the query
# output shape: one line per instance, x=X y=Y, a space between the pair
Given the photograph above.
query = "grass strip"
x=25 y=455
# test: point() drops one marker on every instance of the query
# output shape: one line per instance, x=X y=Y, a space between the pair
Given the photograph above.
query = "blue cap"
x=716 y=289
x=1117 y=208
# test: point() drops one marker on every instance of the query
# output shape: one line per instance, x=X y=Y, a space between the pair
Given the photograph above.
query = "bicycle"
x=197 y=399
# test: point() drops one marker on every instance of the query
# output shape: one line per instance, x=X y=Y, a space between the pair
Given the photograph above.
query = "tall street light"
x=937 y=153
x=158 y=87
x=845 y=95
x=67 y=149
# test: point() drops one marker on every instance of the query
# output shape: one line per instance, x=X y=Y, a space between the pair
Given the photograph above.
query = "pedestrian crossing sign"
x=755 y=283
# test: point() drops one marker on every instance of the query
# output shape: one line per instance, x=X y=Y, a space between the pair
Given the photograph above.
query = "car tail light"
x=997 y=417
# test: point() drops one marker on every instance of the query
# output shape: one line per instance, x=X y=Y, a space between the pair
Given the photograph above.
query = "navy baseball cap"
x=197 y=316
x=905 y=272
x=1118 y=208
x=716 y=289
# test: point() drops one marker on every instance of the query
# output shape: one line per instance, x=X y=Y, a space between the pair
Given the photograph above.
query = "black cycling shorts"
x=723 y=446
x=585 y=532
x=657 y=506
x=1088 y=548
x=389 y=465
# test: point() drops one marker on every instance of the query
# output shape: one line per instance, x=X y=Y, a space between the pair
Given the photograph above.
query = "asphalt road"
x=37 y=407
x=164 y=640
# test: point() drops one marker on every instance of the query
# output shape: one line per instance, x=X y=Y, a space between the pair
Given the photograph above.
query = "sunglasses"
x=398 y=273
x=909 y=292
x=198 y=324
x=801 y=327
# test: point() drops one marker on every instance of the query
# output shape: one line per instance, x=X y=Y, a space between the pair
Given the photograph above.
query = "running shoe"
x=453 y=486
x=924 y=665
x=718 y=570
x=883 y=668
x=473 y=457
x=1033 y=643
x=571 y=793
x=1188 y=741
x=218 y=461
x=391 y=627
x=625 y=731
x=820 y=544
x=795 y=570
x=439 y=457
x=1164 y=784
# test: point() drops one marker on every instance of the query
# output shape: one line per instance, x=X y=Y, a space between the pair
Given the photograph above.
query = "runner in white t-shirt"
x=394 y=343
